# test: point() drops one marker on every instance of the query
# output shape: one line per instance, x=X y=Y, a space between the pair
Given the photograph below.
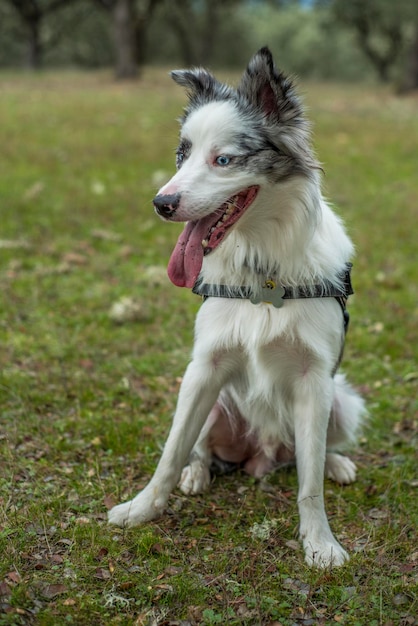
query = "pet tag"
x=270 y=293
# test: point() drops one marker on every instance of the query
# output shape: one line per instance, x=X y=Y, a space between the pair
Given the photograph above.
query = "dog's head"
x=233 y=142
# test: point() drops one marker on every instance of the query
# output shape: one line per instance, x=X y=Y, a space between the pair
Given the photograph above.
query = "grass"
x=86 y=403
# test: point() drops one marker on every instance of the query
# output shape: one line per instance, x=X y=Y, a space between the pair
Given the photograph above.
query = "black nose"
x=166 y=205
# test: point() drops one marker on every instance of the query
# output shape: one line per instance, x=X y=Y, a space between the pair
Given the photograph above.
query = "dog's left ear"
x=200 y=84
x=269 y=90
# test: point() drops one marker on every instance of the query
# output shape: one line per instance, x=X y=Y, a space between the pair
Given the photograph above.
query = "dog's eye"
x=223 y=160
x=180 y=157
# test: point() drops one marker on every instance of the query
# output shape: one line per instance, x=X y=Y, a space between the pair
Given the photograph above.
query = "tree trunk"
x=182 y=22
x=34 y=50
x=124 y=33
x=210 y=30
x=142 y=23
x=411 y=77
x=140 y=40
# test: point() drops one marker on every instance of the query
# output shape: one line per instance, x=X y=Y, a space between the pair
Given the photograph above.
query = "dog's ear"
x=200 y=84
x=269 y=90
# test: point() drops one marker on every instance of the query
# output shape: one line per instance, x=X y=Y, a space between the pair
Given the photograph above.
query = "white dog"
x=271 y=260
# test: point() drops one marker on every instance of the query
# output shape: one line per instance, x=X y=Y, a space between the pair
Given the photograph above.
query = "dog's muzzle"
x=166 y=206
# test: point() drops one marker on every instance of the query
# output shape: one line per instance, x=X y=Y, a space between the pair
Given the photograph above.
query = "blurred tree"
x=32 y=14
x=305 y=40
x=383 y=29
x=196 y=25
x=130 y=22
x=304 y=35
x=410 y=77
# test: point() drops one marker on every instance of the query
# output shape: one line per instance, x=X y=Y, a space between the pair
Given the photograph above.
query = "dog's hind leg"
x=340 y=468
x=348 y=411
x=195 y=477
x=311 y=411
x=198 y=393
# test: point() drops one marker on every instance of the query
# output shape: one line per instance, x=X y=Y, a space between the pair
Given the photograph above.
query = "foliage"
x=86 y=402
x=318 y=39
x=384 y=29
x=307 y=42
x=77 y=34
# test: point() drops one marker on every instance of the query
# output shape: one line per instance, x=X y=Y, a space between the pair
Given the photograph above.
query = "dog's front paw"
x=325 y=554
x=340 y=468
x=195 y=478
x=143 y=508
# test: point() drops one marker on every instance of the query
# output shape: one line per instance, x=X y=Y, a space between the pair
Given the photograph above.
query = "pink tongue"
x=187 y=257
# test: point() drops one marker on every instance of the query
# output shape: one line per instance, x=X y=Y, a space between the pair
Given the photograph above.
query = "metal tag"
x=270 y=293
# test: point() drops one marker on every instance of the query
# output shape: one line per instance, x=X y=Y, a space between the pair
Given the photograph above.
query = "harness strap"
x=274 y=293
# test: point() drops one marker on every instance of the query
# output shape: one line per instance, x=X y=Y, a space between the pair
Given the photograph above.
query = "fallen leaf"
x=408 y=378
x=105 y=235
x=101 y=554
x=127 y=585
x=57 y=559
x=400 y=598
x=378 y=514
x=157 y=548
x=14 y=577
x=376 y=328
x=65 y=542
x=109 y=502
x=5 y=589
x=126 y=310
x=34 y=190
x=98 y=188
x=13 y=243
x=159 y=177
x=172 y=571
x=50 y=591
x=74 y=258
x=102 y=573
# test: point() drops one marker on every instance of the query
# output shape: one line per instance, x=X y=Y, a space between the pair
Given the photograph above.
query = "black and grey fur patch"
x=219 y=467
x=275 y=135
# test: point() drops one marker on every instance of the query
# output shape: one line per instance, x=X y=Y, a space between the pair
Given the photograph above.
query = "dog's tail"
x=347 y=415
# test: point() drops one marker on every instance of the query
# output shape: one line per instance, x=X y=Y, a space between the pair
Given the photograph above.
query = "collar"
x=271 y=291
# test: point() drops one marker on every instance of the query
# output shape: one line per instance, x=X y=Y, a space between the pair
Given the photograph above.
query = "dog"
x=272 y=262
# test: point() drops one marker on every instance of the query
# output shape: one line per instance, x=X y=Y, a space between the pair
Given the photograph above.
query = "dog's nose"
x=166 y=205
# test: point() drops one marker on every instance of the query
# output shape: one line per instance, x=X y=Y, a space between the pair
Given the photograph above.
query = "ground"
x=94 y=343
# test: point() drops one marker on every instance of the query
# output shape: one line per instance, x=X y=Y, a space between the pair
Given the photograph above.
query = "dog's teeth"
x=225 y=217
x=205 y=243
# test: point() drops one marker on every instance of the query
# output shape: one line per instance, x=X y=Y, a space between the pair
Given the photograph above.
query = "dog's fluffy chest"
x=269 y=352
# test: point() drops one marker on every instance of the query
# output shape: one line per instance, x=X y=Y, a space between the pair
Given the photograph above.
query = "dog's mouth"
x=201 y=237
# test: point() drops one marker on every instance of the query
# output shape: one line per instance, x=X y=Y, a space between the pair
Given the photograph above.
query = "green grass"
x=86 y=403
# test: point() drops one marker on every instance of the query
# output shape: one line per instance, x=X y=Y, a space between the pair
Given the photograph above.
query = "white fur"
x=273 y=365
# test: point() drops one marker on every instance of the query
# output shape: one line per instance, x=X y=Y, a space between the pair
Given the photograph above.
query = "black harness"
x=272 y=292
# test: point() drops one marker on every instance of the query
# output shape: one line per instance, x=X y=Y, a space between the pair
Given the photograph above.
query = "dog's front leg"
x=198 y=393
x=312 y=409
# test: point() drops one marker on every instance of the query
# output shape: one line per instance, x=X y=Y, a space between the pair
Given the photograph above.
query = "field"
x=87 y=396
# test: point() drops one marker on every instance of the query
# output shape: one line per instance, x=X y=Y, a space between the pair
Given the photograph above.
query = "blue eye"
x=222 y=160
